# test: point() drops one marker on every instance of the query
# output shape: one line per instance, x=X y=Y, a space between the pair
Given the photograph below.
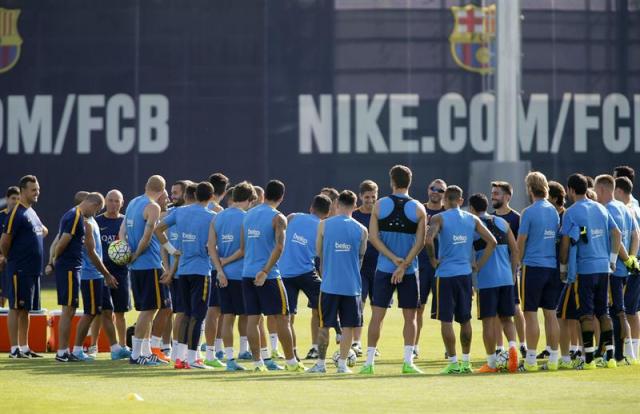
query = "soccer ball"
x=502 y=360
x=351 y=358
x=119 y=252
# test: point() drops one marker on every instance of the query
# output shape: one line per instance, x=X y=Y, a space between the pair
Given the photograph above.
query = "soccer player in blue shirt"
x=397 y=229
x=540 y=282
x=264 y=293
x=455 y=230
x=341 y=244
x=12 y=196
x=597 y=254
x=604 y=188
x=297 y=264
x=495 y=283
x=22 y=246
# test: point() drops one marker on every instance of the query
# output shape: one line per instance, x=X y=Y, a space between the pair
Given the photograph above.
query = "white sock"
x=145 y=349
x=573 y=348
x=166 y=346
x=136 y=344
x=292 y=361
x=192 y=355
x=408 y=354
x=264 y=353
x=548 y=349
x=628 y=349
x=342 y=363
x=491 y=360
x=219 y=345
x=531 y=356
x=512 y=344
x=273 y=338
x=156 y=342
x=210 y=354
x=228 y=352
x=244 y=344
x=553 y=356
x=465 y=358
x=13 y=349
x=258 y=363
x=24 y=348
x=371 y=354
x=60 y=352
x=566 y=358
x=174 y=350
x=321 y=363
x=635 y=343
x=182 y=352
x=116 y=348
x=77 y=349
x=453 y=359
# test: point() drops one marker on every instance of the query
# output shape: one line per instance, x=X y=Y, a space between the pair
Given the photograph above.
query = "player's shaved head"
x=155 y=184
x=115 y=194
x=79 y=197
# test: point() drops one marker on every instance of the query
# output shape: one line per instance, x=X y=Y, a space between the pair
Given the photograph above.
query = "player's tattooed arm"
x=432 y=233
x=319 y=242
x=513 y=251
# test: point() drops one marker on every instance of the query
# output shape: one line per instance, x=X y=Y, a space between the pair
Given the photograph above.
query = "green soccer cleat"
x=465 y=367
x=215 y=363
x=452 y=368
x=586 y=367
x=612 y=363
x=524 y=367
x=549 y=366
x=411 y=369
x=276 y=354
x=600 y=362
x=367 y=370
x=566 y=365
x=260 y=368
x=298 y=367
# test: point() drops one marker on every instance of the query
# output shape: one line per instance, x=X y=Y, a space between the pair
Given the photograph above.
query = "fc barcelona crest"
x=473 y=38
x=10 y=40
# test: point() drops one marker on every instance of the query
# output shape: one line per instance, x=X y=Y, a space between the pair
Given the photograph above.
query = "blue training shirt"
x=341 y=256
x=497 y=270
x=455 y=250
x=626 y=223
x=299 y=252
x=135 y=225
x=259 y=241
x=399 y=243
x=89 y=271
x=540 y=222
x=228 y=226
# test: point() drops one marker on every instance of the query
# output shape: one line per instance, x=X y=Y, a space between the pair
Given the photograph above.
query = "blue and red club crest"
x=473 y=38
x=10 y=40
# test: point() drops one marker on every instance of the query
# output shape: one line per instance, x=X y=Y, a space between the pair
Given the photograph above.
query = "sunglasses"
x=436 y=190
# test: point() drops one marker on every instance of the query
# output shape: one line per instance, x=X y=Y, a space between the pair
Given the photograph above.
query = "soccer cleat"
x=298 y=367
x=634 y=361
x=566 y=365
x=32 y=354
x=577 y=354
x=512 y=364
x=582 y=365
x=317 y=369
x=199 y=364
x=572 y=354
x=486 y=369
x=245 y=356
x=548 y=366
x=313 y=354
x=160 y=355
x=232 y=365
x=142 y=360
x=524 y=367
x=166 y=352
x=83 y=356
x=542 y=355
x=357 y=349
x=123 y=353
x=220 y=355
x=276 y=354
x=92 y=351
x=600 y=362
x=411 y=369
x=154 y=358
x=523 y=352
x=62 y=358
x=465 y=367
x=612 y=363
x=260 y=368
x=272 y=366
x=73 y=358
x=215 y=363
x=344 y=370
x=17 y=354
x=367 y=370
x=451 y=368
x=180 y=364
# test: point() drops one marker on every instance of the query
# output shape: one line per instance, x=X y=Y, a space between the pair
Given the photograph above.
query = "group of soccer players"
x=196 y=266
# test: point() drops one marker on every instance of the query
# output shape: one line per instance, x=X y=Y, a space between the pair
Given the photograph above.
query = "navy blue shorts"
x=408 y=291
x=632 y=295
x=427 y=276
x=4 y=284
x=340 y=311
x=177 y=300
x=452 y=299
x=616 y=294
x=117 y=300
x=367 y=276
x=593 y=294
x=68 y=286
x=92 y=291
x=309 y=283
x=540 y=288
x=23 y=291
x=268 y=299
x=567 y=303
x=148 y=292
x=231 y=298
x=195 y=290
x=214 y=297
x=496 y=301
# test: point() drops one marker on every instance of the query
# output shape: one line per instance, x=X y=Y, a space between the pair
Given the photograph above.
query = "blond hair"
x=537 y=183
